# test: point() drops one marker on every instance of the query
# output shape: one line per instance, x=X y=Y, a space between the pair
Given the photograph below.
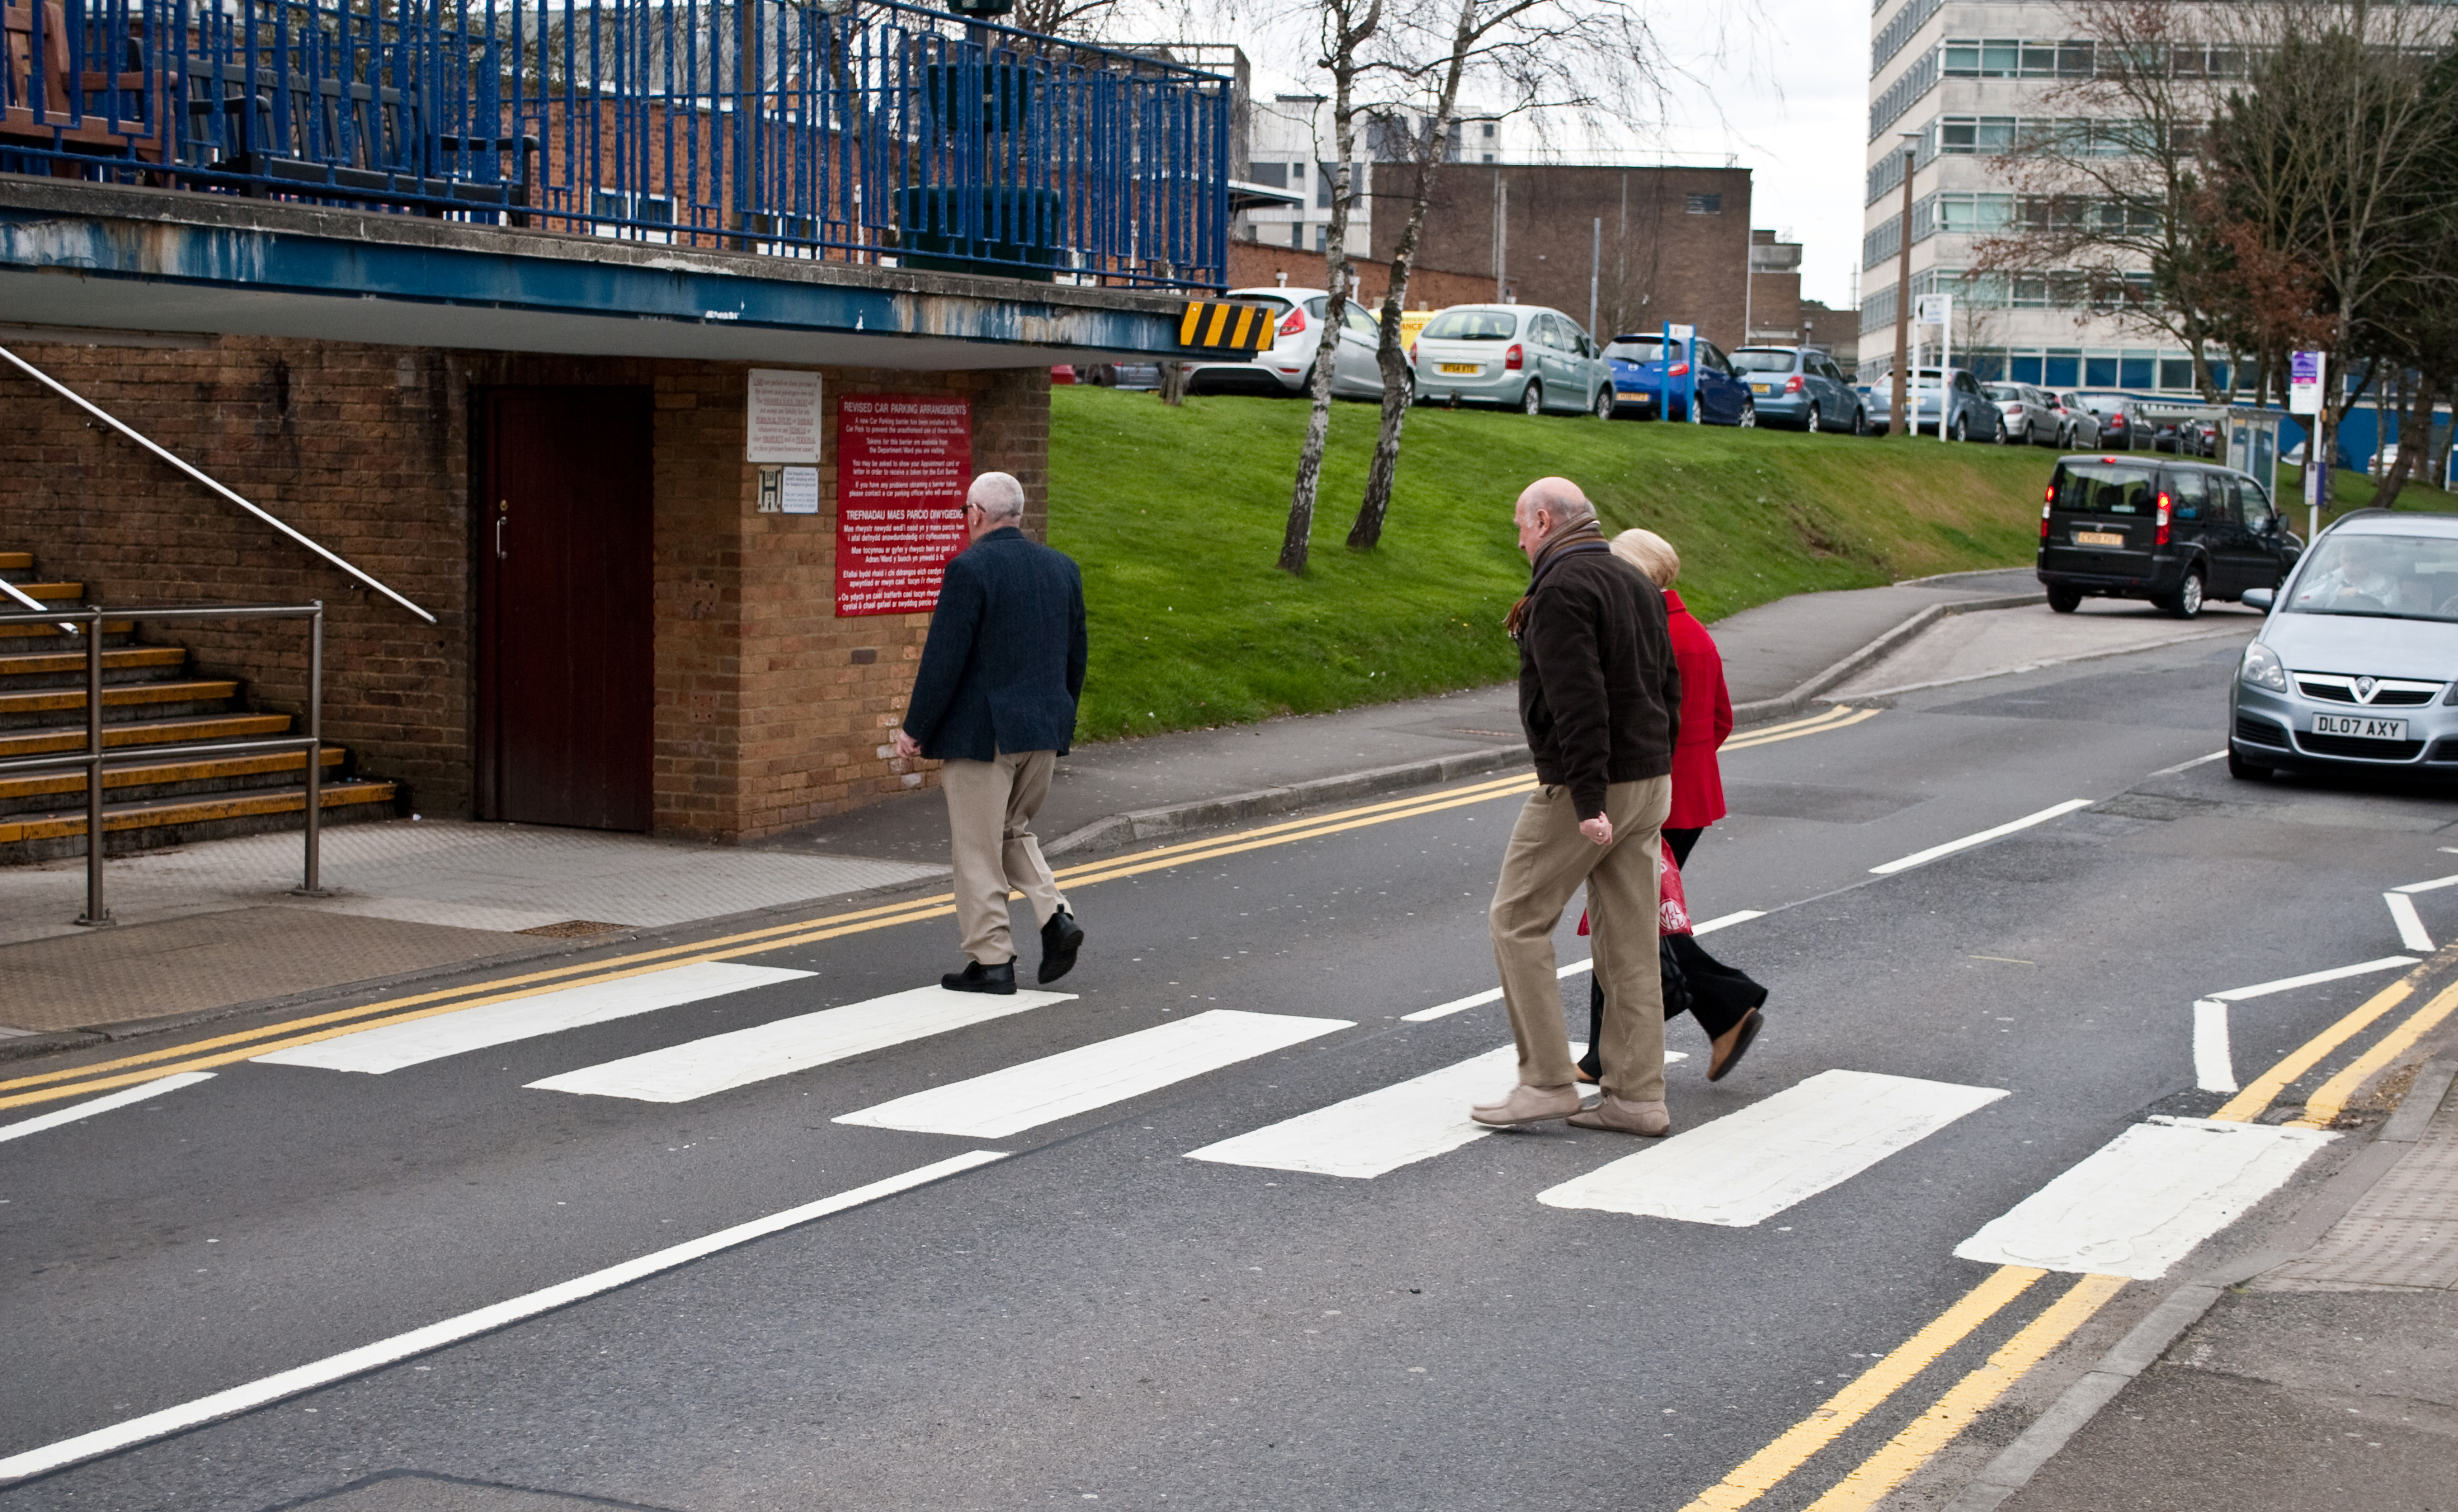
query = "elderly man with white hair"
x=1600 y=699
x=994 y=698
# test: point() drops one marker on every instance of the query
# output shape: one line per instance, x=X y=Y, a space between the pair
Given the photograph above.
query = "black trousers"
x=1713 y=993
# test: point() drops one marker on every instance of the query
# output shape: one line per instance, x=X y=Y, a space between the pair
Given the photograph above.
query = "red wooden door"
x=564 y=687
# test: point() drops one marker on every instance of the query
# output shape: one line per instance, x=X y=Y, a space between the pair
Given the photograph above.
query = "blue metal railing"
x=860 y=131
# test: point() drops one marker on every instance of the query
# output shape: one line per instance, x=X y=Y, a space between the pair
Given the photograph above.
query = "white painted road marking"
x=468 y=1325
x=103 y=1105
x=1917 y=858
x=1494 y=995
x=2213 y=1058
x=721 y=1062
x=2187 y=766
x=2264 y=990
x=393 y=1046
x=2142 y=1202
x=1747 y=1167
x=1077 y=1081
x=2411 y=924
x=2434 y=885
x=1382 y=1131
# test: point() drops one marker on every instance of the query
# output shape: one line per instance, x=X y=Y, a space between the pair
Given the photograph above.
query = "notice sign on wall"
x=902 y=464
x=784 y=417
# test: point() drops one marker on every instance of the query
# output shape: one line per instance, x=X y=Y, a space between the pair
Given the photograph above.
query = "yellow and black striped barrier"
x=1217 y=325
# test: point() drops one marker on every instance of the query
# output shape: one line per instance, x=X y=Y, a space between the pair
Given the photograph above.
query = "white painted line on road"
x=1967 y=841
x=2433 y=885
x=1055 y=1086
x=468 y=1325
x=393 y=1046
x=1743 y=916
x=1383 y=1130
x=2213 y=1060
x=103 y=1105
x=2411 y=924
x=2142 y=1202
x=723 y=1062
x=2264 y=990
x=2187 y=766
x=1745 y=1167
x=1440 y=1011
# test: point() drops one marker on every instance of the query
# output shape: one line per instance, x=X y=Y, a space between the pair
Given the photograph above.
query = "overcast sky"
x=1781 y=86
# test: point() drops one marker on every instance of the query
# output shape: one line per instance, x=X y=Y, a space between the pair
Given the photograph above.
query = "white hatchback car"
x=1288 y=366
x=1525 y=356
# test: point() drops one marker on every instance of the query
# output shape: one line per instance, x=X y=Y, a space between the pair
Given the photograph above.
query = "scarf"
x=1565 y=541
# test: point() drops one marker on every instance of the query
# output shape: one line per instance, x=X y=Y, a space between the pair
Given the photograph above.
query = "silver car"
x=1288 y=367
x=1524 y=356
x=2075 y=423
x=2357 y=666
x=2031 y=416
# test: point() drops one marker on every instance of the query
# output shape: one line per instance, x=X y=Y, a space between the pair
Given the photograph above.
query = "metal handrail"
x=93 y=759
x=33 y=602
x=355 y=575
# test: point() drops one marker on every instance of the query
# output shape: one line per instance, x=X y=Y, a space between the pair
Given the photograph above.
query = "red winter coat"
x=1707 y=720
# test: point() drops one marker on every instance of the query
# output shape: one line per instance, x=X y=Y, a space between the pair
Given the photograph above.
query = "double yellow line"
x=1890 y=1466
x=1839 y=716
x=246 y=1044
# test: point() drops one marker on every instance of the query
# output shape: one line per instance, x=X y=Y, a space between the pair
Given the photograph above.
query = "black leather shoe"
x=1060 y=938
x=999 y=979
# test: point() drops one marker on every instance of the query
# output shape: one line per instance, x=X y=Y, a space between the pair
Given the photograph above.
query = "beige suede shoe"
x=1647 y=1120
x=1529 y=1105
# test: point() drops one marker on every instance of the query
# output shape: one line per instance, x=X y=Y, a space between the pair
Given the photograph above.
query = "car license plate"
x=2100 y=538
x=1463 y=367
x=1761 y=389
x=2362 y=727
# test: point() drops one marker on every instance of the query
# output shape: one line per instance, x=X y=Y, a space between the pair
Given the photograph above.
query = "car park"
x=1287 y=367
x=1641 y=378
x=2116 y=415
x=1523 y=356
x=2028 y=416
x=1799 y=387
x=2077 y=427
x=1970 y=414
x=2178 y=533
x=2354 y=667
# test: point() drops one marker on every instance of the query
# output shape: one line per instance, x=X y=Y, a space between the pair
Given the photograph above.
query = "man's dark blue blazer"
x=1004 y=661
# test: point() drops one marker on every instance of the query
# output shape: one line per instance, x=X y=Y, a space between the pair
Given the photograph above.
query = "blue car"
x=1799 y=387
x=1639 y=379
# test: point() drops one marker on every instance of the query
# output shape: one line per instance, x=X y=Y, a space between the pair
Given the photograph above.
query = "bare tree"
x=1347 y=26
x=1587 y=58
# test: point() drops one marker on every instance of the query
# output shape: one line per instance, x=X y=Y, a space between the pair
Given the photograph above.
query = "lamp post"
x=1905 y=423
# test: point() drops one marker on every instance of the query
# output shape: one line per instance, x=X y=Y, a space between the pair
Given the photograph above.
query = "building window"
x=2025 y=368
x=1297 y=173
x=2136 y=370
x=2063 y=367
x=2099 y=371
x=1322 y=238
x=1273 y=174
x=1703 y=205
x=2176 y=372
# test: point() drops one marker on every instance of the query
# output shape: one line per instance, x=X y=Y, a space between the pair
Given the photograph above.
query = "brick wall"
x=770 y=711
x=1252 y=265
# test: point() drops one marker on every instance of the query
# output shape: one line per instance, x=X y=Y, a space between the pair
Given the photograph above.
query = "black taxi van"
x=2175 y=533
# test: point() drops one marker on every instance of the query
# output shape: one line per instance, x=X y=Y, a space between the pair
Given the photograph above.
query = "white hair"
x=998 y=494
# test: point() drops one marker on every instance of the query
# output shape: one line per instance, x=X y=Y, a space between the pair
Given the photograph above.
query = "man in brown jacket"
x=1600 y=699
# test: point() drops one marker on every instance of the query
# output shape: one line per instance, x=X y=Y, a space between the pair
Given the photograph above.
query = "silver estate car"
x=1525 y=356
x=2357 y=666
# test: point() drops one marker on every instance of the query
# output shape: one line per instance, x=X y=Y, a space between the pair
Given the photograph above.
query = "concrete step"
x=53 y=592
x=53 y=706
x=118 y=734
x=114 y=632
x=158 y=780
x=132 y=827
x=61 y=669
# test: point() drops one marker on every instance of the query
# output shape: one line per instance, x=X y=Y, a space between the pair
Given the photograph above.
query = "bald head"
x=1546 y=507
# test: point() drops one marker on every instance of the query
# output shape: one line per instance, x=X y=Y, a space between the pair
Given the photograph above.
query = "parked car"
x=2178 y=533
x=2353 y=668
x=2026 y=415
x=2114 y=413
x=2185 y=437
x=2078 y=428
x=1799 y=387
x=1970 y=414
x=1524 y=356
x=1640 y=376
x=1288 y=366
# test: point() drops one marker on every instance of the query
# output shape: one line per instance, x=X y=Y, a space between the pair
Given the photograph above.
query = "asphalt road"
x=1095 y=1315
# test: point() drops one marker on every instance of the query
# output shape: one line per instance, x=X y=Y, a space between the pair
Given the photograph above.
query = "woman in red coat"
x=1723 y=1000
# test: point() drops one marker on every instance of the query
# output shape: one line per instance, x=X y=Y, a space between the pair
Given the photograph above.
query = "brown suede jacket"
x=1599 y=693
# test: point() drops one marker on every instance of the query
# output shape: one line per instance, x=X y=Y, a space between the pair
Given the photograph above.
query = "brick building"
x=1655 y=245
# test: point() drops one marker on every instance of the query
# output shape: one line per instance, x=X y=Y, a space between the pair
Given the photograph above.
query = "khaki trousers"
x=991 y=805
x=1547 y=861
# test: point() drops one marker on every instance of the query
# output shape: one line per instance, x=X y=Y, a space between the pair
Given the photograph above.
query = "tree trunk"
x=1326 y=356
x=2416 y=423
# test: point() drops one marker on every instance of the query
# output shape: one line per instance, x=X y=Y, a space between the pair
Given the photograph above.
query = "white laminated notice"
x=802 y=491
x=783 y=419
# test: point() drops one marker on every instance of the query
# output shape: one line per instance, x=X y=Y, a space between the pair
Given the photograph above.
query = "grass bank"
x=1176 y=515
